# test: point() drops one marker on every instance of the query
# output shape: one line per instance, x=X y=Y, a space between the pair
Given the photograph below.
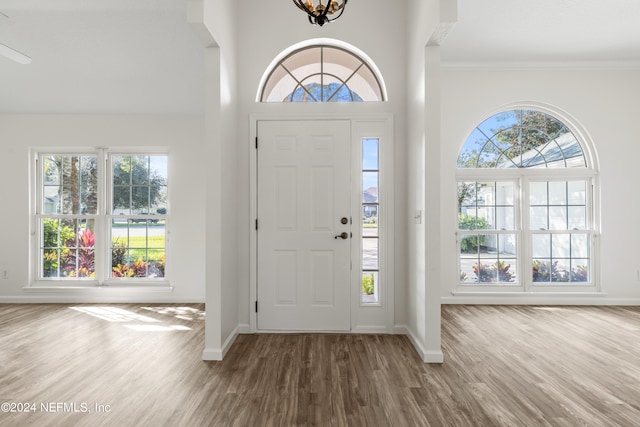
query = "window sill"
x=530 y=297
x=512 y=289
x=370 y=304
x=576 y=293
x=151 y=287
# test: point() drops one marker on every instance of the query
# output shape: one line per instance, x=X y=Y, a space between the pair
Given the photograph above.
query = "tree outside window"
x=527 y=219
x=70 y=216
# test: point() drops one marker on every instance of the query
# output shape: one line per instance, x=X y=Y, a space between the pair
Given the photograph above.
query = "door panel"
x=303 y=192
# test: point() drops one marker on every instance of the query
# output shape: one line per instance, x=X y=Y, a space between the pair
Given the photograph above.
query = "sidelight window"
x=370 y=216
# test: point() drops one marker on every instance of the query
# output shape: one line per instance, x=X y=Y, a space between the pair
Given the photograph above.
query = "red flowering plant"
x=81 y=261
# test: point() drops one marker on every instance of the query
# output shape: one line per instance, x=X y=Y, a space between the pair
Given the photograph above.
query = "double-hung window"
x=67 y=210
x=100 y=217
x=526 y=207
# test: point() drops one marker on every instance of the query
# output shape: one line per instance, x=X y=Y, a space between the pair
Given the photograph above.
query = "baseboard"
x=212 y=354
x=534 y=299
x=99 y=296
x=229 y=341
x=433 y=357
x=83 y=300
x=244 y=328
x=369 y=330
x=401 y=330
x=427 y=356
x=217 y=354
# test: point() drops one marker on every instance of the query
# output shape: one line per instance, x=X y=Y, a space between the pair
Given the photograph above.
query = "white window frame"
x=102 y=218
x=374 y=316
x=489 y=175
x=266 y=94
x=591 y=229
x=523 y=176
x=380 y=218
x=521 y=179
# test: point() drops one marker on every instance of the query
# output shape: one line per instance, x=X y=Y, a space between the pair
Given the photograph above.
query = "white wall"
x=184 y=139
x=264 y=32
x=214 y=21
x=225 y=18
x=605 y=103
x=423 y=170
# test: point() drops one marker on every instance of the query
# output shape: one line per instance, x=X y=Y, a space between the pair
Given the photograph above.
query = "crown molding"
x=540 y=65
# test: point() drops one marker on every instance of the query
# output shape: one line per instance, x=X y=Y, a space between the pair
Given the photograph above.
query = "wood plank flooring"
x=139 y=365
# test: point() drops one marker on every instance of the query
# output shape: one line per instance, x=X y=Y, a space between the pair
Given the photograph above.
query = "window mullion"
x=36 y=230
x=39 y=185
x=321 y=74
x=102 y=248
x=591 y=205
x=524 y=249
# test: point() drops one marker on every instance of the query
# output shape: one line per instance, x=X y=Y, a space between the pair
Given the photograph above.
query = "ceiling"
x=600 y=33
x=139 y=57
x=101 y=57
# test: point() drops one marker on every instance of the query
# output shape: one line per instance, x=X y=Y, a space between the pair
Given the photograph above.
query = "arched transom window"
x=322 y=72
x=521 y=139
x=526 y=205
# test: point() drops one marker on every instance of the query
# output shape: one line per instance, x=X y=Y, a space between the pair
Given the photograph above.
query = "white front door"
x=304 y=225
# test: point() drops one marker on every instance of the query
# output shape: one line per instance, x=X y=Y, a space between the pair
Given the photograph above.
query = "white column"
x=432 y=229
x=213 y=215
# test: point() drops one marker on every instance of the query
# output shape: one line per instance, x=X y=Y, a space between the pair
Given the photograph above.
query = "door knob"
x=344 y=235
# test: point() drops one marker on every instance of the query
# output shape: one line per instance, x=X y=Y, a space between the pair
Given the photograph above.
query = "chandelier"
x=318 y=14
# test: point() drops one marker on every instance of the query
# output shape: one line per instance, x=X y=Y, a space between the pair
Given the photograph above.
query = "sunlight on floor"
x=114 y=314
x=184 y=313
x=138 y=322
x=157 y=328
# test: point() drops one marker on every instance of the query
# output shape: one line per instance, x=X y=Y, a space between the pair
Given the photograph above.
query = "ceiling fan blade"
x=10 y=53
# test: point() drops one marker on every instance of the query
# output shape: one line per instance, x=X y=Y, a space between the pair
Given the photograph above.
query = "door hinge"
x=256 y=306
x=256 y=223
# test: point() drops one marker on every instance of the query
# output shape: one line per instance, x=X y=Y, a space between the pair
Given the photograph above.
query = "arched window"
x=526 y=215
x=521 y=139
x=322 y=70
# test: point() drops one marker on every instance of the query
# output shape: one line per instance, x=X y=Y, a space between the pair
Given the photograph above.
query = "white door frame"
x=377 y=318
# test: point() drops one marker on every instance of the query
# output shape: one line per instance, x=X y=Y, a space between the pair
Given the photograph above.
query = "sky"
x=370 y=162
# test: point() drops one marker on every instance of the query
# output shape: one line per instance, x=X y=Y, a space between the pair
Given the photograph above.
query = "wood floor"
x=131 y=365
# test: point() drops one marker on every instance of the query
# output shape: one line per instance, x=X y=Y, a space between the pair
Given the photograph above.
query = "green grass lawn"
x=137 y=224
x=137 y=246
